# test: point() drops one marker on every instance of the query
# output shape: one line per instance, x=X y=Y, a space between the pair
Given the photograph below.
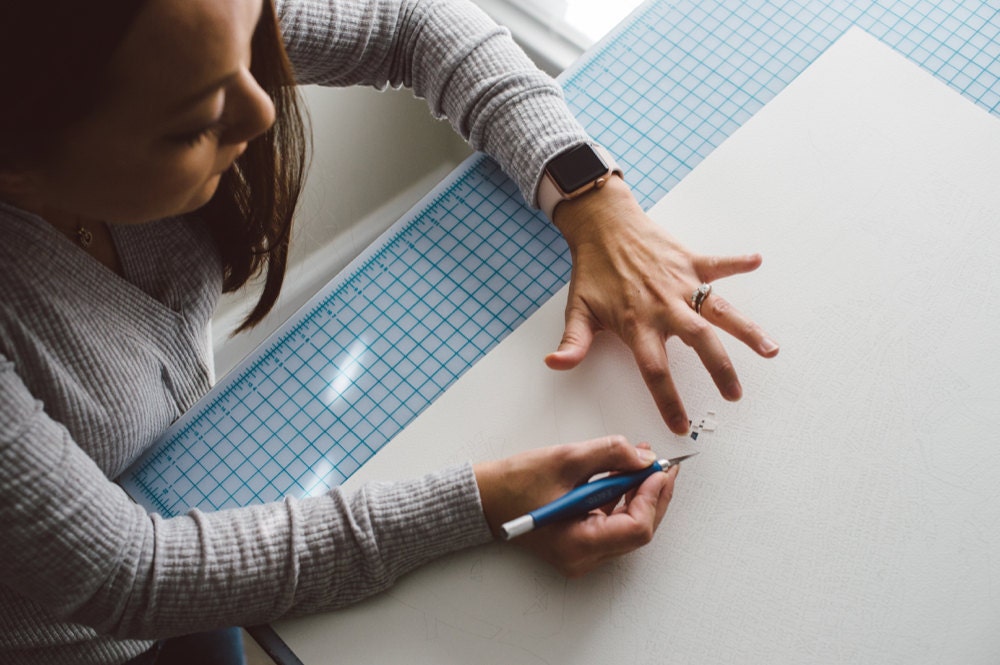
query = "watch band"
x=574 y=172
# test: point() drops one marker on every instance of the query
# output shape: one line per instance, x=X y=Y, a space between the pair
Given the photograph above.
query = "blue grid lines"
x=690 y=73
x=367 y=358
x=381 y=342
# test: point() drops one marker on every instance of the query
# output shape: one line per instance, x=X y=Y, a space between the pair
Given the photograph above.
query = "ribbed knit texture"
x=94 y=367
x=450 y=53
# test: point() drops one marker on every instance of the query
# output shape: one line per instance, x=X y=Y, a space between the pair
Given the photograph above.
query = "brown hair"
x=251 y=213
x=53 y=59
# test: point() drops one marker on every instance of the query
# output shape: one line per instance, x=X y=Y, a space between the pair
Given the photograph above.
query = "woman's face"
x=181 y=107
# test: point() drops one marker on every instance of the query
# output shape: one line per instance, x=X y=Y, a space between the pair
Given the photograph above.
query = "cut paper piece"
x=704 y=424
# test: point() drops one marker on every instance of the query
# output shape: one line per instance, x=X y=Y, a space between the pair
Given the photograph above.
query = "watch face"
x=576 y=167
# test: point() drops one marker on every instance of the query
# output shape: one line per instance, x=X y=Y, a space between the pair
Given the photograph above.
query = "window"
x=555 y=32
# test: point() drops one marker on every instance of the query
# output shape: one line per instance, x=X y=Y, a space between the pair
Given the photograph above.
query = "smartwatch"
x=574 y=172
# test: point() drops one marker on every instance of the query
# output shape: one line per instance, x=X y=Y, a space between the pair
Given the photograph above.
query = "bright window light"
x=581 y=20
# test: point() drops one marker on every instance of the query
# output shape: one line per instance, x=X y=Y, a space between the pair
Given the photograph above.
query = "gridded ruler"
x=471 y=261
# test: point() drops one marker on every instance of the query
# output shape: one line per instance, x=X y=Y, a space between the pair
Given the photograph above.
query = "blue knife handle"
x=589 y=496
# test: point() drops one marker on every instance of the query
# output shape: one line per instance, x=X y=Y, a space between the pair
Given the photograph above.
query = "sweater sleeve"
x=76 y=544
x=449 y=52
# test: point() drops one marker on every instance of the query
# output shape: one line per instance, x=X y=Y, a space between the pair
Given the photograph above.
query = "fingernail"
x=734 y=391
x=646 y=455
x=768 y=345
x=679 y=424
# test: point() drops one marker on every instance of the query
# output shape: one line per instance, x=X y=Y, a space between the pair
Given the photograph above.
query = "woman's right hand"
x=516 y=485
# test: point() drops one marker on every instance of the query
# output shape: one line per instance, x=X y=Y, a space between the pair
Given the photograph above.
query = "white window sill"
x=555 y=35
x=551 y=50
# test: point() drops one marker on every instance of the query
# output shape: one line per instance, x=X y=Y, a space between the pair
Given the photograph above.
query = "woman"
x=151 y=155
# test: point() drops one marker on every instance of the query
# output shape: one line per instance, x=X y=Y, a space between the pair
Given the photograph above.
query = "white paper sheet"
x=847 y=510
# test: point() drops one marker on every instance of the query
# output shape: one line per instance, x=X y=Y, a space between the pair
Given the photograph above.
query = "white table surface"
x=847 y=509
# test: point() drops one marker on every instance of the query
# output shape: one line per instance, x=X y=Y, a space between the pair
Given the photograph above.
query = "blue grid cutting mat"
x=470 y=262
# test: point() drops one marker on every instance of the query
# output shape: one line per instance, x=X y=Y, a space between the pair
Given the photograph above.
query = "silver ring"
x=698 y=297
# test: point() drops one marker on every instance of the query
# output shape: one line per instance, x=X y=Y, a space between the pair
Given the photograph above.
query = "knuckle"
x=667 y=490
x=576 y=311
x=571 y=567
x=724 y=369
x=671 y=405
x=570 y=336
x=751 y=330
x=697 y=328
x=616 y=445
x=643 y=535
x=654 y=370
x=614 y=441
x=718 y=307
x=630 y=327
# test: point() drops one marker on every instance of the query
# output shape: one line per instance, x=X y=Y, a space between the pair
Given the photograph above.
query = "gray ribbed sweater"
x=93 y=367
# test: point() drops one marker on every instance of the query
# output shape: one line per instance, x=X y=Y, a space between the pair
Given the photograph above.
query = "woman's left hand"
x=632 y=278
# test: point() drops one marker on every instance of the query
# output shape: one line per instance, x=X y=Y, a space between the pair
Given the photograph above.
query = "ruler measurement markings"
x=701 y=70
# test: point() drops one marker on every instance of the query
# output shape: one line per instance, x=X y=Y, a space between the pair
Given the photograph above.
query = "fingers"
x=609 y=453
x=576 y=340
x=651 y=358
x=718 y=311
x=649 y=504
x=515 y=485
x=712 y=268
x=721 y=313
x=617 y=505
x=633 y=524
x=576 y=546
x=579 y=547
x=698 y=333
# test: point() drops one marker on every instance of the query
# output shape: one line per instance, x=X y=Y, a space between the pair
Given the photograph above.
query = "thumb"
x=650 y=501
x=610 y=453
x=577 y=337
